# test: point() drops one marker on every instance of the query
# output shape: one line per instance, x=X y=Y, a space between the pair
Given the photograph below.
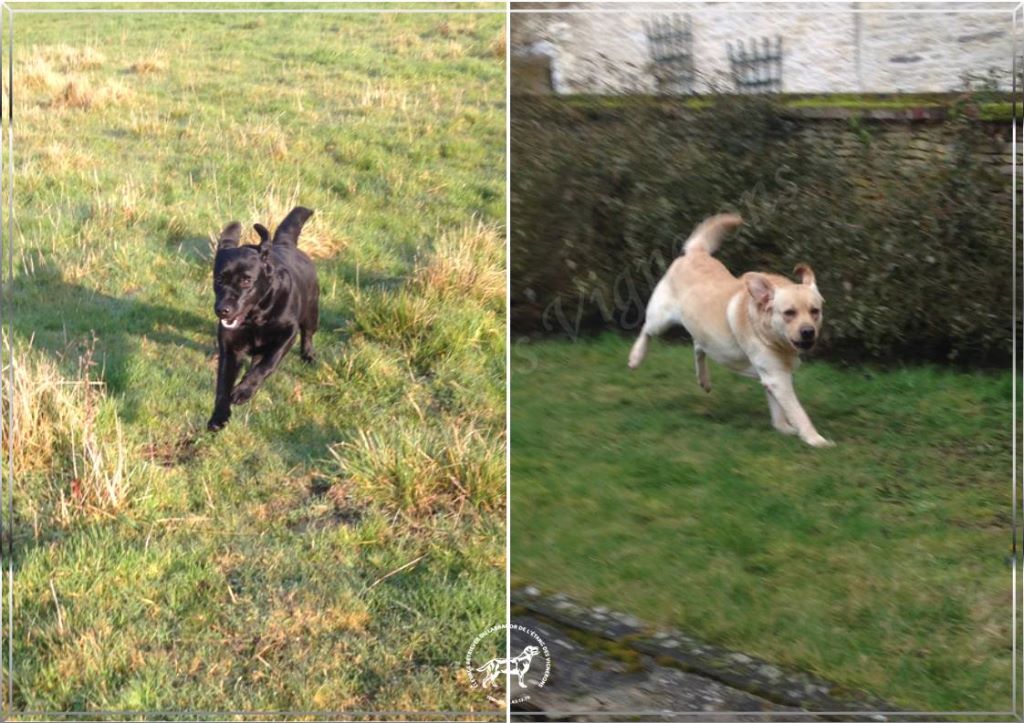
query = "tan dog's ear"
x=760 y=289
x=805 y=273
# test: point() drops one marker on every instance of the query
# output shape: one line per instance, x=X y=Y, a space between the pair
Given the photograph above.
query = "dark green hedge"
x=913 y=258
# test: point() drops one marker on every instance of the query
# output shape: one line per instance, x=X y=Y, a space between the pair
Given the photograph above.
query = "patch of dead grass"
x=317 y=238
x=120 y=206
x=37 y=74
x=467 y=261
x=300 y=617
x=417 y=470
x=82 y=94
x=55 y=428
x=57 y=158
x=152 y=63
x=266 y=137
x=70 y=58
x=498 y=45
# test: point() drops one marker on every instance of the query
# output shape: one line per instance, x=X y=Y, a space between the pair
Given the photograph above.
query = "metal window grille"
x=670 y=43
x=757 y=69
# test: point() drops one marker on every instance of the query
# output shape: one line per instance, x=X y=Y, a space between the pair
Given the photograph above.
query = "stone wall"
x=828 y=48
x=905 y=141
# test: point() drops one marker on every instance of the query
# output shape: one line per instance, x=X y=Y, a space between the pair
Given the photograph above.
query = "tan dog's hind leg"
x=658 y=320
x=701 y=360
x=780 y=386
x=779 y=420
x=639 y=350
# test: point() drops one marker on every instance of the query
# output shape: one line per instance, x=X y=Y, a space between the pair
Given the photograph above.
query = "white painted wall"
x=829 y=47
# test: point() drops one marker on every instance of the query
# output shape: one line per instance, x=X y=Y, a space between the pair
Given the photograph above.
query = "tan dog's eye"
x=789 y=313
x=815 y=312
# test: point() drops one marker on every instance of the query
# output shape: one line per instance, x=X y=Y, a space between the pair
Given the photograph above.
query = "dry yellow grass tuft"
x=468 y=261
x=279 y=149
x=498 y=45
x=56 y=158
x=454 y=50
x=80 y=93
x=57 y=71
x=387 y=97
x=266 y=136
x=147 y=124
x=424 y=471
x=57 y=426
x=258 y=22
x=298 y=619
x=152 y=63
x=37 y=74
x=317 y=239
x=119 y=207
x=128 y=199
x=69 y=58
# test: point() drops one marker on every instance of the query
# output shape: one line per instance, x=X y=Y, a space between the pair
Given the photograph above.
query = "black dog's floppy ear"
x=288 y=231
x=229 y=236
x=265 y=242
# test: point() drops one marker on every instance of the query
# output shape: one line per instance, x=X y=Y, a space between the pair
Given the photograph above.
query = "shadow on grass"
x=64 y=319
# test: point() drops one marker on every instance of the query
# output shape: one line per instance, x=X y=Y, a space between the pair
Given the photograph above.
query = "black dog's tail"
x=288 y=232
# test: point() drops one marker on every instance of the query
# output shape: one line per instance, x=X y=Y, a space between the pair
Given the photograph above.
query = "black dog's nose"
x=222 y=312
x=807 y=333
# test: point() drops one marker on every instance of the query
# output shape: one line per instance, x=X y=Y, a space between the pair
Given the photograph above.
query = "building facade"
x=838 y=47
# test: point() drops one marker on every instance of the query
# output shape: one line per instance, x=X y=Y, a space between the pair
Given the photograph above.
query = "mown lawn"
x=341 y=543
x=881 y=564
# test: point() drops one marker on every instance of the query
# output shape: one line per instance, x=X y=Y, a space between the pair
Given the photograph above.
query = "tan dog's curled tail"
x=707 y=237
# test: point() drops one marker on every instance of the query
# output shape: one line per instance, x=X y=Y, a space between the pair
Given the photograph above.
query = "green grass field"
x=880 y=564
x=341 y=543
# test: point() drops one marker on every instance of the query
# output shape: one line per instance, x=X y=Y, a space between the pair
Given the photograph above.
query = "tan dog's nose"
x=807 y=333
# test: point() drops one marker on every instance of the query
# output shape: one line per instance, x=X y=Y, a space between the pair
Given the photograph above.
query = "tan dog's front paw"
x=705 y=384
x=818 y=441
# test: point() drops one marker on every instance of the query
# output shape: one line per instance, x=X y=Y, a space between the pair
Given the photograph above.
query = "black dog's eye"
x=789 y=313
x=245 y=283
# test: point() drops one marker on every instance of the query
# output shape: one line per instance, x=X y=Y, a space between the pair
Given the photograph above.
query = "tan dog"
x=756 y=325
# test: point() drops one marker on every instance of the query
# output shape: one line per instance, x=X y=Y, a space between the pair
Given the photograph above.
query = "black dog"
x=266 y=295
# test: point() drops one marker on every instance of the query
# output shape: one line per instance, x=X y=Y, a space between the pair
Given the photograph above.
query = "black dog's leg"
x=259 y=372
x=306 y=350
x=227 y=371
x=308 y=328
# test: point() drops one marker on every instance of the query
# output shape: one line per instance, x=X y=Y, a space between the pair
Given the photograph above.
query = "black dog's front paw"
x=242 y=393
x=309 y=357
x=217 y=422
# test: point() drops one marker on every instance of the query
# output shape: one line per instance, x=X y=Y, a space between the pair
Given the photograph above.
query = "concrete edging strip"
x=674 y=648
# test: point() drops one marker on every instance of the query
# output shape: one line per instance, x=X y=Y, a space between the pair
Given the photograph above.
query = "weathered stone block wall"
x=905 y=143
x=829 y=48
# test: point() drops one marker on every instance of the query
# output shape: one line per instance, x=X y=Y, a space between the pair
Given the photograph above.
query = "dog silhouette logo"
x=518 y=666
x=512 y=674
